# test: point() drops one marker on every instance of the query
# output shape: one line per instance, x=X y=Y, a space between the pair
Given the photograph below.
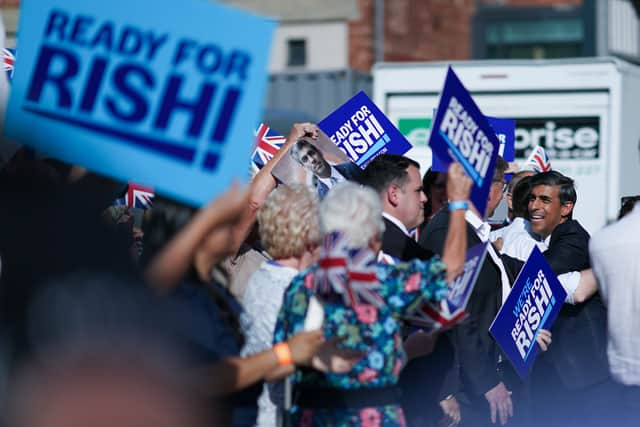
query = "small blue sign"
x=431 y=316
x=167 y=100
x=505 y=130
x=460 y=132
x=362 y=131
x=533 y=304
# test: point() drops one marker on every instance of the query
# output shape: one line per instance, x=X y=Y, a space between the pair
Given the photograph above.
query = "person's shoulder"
x=441 y=219
x=571 y=226
x=624 y=230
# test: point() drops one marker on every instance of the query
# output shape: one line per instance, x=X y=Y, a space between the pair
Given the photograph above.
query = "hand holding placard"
x=532 y=305
x=461 y=132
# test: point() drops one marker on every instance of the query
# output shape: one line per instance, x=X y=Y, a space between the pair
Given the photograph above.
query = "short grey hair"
x=353 y=210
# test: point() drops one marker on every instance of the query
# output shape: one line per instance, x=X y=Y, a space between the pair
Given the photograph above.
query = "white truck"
x=584 y=112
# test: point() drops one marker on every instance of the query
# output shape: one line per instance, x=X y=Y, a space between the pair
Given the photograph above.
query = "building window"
x=296 y=52
x=538 y=33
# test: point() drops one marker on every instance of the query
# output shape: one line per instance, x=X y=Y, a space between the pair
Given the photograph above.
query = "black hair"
x=628 y=203
x=520 y=197
x=515 y=179
x=428 y=180
x=387 y=169
x=567 y=193
x=164 y=221
x=298 y=145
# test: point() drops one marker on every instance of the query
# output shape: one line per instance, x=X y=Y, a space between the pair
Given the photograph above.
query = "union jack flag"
x=538 y=160
x=266 y=145
x=8 y=61
x=137 y=196
x=347 y=273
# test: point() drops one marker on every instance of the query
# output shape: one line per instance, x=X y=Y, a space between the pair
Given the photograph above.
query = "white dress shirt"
x=483 y=231
x=333 y=179
x=396 y=221
x=615 y=260
x=519 y=241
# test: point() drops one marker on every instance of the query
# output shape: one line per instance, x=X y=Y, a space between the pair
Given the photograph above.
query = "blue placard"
x=505 y=130
x=362 y=131
x=164 y=99
x=431 y=317
x=533 y=304
x=461 y=132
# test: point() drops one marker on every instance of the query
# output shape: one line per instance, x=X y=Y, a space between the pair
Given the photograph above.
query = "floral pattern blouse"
x=373 y=330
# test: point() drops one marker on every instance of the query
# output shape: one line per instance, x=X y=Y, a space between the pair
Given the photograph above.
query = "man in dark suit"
x=325 y=175
x=486 y=387
x=398 y=182
x=572 y=379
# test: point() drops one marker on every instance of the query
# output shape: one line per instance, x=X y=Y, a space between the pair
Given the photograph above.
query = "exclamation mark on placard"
x=221 y=127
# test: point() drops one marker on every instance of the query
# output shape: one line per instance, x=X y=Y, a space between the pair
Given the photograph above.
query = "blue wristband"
x=458 y=204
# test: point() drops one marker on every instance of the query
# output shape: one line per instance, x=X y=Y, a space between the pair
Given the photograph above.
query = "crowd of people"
x=281 y=305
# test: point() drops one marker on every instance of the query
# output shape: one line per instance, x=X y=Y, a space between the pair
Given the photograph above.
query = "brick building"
x=426 y=30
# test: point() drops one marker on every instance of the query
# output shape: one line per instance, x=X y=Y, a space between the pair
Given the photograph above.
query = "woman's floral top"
x=373 y=330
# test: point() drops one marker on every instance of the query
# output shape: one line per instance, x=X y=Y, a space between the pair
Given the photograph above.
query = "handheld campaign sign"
x=317 y=163
x=461 y=132
x=362 y=131
x=533 y=304
x=505 y=130
x=431 y=317
x=164 y=99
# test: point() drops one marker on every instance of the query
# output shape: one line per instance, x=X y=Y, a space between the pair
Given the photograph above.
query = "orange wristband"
x=283 y=353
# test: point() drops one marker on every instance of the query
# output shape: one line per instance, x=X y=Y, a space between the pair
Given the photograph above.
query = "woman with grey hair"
x=361 y=301
x=290 y=233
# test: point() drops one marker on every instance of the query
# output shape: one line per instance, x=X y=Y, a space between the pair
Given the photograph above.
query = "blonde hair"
x=288 y=221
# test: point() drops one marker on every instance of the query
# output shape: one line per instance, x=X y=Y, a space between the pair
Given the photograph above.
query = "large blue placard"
x=164 y=99
x=505 y=130
x=362 y=131
x=533 y=304
x=462 y=133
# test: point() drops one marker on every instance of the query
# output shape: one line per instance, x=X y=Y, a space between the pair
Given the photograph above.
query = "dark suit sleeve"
x=512 y=266
x=568 y=249
x=350 y=171
x=476 y=362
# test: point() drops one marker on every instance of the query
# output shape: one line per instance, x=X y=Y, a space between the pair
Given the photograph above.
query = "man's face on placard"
x=411 y=200
x=546 y=211
x=312 y=159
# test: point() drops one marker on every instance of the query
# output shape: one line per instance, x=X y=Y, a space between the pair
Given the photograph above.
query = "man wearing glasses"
x=483 y=378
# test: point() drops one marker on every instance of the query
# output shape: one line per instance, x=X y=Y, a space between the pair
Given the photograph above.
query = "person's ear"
x=565 y=209
x=393 y=195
